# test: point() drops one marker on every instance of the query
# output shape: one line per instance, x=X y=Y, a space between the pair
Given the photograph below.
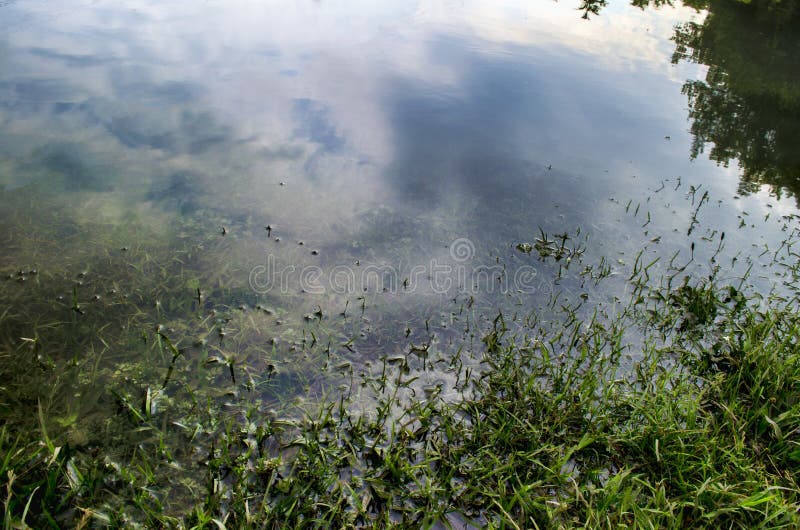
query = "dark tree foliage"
x=593 y=7
x=748 y=107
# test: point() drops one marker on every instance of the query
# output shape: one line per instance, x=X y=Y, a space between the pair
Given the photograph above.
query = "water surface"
x=288 y=188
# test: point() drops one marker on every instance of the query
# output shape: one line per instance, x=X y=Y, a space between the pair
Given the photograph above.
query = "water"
x=161 y=165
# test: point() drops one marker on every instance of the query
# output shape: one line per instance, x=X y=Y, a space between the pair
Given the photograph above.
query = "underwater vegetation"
x=145 y=384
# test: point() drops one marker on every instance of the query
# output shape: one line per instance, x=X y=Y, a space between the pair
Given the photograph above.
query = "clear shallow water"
x=492 y=119
x=145 y=147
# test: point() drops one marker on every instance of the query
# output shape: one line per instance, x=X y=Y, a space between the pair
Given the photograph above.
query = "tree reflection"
x=748 y=106
x=593 y=7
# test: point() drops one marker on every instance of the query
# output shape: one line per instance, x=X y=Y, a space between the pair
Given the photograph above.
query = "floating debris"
x=525 y=247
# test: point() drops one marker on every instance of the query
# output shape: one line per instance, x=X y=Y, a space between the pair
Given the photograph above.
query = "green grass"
x=122 y=404
x=554 y=427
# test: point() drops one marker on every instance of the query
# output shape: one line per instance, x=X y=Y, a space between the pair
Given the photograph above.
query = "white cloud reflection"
x=319 y=94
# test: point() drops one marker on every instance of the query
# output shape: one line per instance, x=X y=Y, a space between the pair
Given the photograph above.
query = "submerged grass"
x=140 y=390
x=546 y=438
x=548 y=429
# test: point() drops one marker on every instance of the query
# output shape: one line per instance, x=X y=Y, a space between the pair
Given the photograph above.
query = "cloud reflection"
x=486 y=116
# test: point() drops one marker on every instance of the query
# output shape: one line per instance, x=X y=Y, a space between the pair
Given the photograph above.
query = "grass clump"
x=550 y=431
x=552 y=428
x=169 y=400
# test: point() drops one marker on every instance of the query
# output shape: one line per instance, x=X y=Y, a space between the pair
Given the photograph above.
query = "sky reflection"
x=474 y=119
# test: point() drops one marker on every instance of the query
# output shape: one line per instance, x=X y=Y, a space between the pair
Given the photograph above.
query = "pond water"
x=288 y=190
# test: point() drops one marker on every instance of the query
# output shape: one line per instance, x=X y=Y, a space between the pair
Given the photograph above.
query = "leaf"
x=775 y=427
x=47 y=441
x=758 y=498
